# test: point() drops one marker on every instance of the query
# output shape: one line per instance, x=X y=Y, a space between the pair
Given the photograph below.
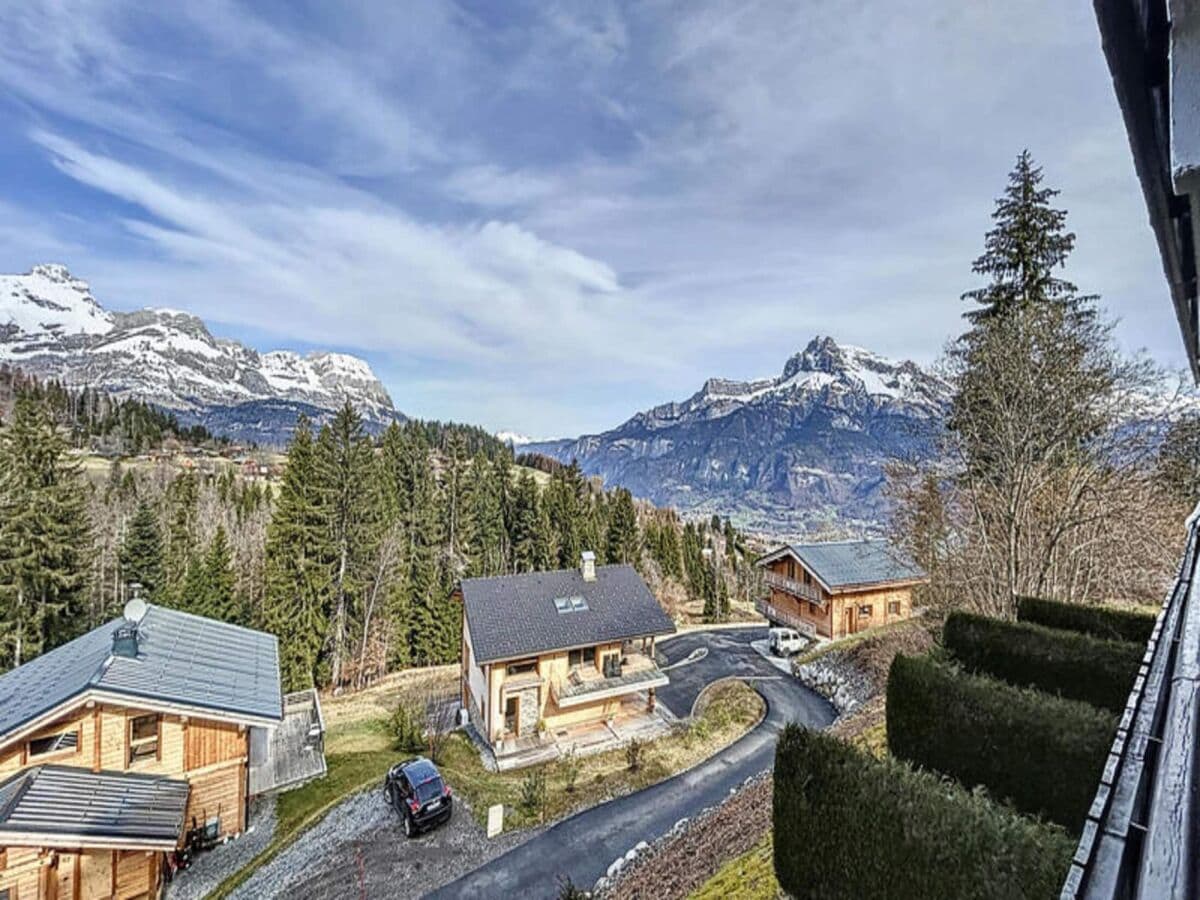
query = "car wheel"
x=409 y=829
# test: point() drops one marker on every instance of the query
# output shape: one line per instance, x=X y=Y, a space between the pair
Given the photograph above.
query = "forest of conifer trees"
x=350 y=558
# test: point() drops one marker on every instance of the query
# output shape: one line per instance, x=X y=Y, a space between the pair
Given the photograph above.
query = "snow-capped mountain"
x=51 y=326
x=804 y=451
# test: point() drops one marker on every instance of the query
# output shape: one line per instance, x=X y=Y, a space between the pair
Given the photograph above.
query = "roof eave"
x=123 y=698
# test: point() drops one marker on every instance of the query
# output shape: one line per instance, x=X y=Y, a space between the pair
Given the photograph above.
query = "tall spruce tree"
x=1026 y=244
x=346 y=473
x=212 y=586
x=142 y=552
x=44 y=534
x=622 y=539
x=298 y=566
x=181 y=550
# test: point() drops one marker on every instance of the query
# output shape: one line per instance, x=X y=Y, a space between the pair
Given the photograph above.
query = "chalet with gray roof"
x=126 y=743
x=549 y=650
x=835 y=588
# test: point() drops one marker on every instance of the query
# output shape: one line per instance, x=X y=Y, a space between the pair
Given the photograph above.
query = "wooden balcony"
x=809 y=592
x=785 y=617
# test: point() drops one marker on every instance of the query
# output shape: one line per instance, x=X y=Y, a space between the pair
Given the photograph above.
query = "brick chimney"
x=587 y=565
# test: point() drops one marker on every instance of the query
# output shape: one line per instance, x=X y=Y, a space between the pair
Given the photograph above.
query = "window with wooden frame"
x=61 y=742
x=865 y=610
x=893 y=607
x=144 y=741
x=521 y=668
x=8 y=894
x=585 y=656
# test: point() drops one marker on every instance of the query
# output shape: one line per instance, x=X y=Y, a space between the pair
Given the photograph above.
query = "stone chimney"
x=588 y=565
x=125 y=636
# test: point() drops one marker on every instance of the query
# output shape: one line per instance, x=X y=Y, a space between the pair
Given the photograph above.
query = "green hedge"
x=1075 y=666
x=1099 y=621
x=850 y=826
x=1039 y=752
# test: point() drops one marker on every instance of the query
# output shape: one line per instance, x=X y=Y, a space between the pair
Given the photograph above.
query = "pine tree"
x=212 y=592
x=1026 y=244
x=622 y=539
x=180 y=553
x=43 y=535
x=298 y=567
x=345 y=470
x=142 y=552
x=526 y=524
x=485 y=542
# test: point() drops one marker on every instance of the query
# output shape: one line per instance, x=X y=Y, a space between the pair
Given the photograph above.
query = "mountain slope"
x=801 y=452
x=51 y=326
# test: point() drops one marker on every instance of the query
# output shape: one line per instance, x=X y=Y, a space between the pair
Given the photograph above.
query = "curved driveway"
x=583 y=846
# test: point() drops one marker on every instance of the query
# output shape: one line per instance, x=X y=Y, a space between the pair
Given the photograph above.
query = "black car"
x=416 y=790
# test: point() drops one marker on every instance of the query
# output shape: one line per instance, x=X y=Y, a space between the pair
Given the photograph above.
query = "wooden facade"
x=796 y=598
x=520 y=697
x=211 y=756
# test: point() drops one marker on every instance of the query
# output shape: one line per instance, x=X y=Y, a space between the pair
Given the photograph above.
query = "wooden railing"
x=808 y=592
x=784 y=617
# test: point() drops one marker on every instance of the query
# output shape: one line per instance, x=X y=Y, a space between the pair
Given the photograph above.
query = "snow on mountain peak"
x=51 y=326
x=47 y=301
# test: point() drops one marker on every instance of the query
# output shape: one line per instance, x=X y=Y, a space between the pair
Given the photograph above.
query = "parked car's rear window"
x=427 y=790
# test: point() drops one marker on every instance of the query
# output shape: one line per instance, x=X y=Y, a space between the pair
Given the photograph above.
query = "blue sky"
x=542 y=216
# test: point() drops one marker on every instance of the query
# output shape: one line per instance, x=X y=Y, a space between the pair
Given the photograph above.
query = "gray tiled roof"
x=840 y=564
x=514 y=615
x=182 y=658
x=62 y=800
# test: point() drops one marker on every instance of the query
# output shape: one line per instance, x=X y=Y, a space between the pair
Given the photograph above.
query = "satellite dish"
x=135 y=609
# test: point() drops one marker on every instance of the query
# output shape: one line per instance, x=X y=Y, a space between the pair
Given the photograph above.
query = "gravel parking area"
x=359 y=850
x=211 y=868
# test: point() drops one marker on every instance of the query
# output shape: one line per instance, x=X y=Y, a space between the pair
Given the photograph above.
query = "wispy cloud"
x=543 y=216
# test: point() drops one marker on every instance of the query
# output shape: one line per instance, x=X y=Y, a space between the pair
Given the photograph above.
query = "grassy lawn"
x=359 y=749
x=750 y=876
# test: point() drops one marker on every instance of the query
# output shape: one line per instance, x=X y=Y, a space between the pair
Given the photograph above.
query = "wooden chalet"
x=836 y=588
x=131 y=740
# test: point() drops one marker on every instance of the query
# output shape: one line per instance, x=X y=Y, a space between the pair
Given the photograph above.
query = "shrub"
x=533 y=792
x=1042 y=753
x=849 y=826
x=635 y=750
x=1072 y=665
x=569 y=765
x=407 y=727
x=1106 y=622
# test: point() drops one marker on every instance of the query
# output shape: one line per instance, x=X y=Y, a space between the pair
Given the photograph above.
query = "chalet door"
x=850 y=620
x=512 y=715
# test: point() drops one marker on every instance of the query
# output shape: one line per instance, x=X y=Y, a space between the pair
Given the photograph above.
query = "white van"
x=786 y=641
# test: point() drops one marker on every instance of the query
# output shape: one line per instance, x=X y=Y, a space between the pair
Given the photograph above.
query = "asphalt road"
x=583 y=846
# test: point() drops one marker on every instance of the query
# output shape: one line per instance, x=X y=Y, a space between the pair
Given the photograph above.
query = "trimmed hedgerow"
x=1107 y=622
x=848 y=826
x=1041 y=753
x=1075 y=666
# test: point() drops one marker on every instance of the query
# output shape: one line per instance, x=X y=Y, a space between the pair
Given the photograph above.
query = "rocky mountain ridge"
x=52 y=326
x=800 y=453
